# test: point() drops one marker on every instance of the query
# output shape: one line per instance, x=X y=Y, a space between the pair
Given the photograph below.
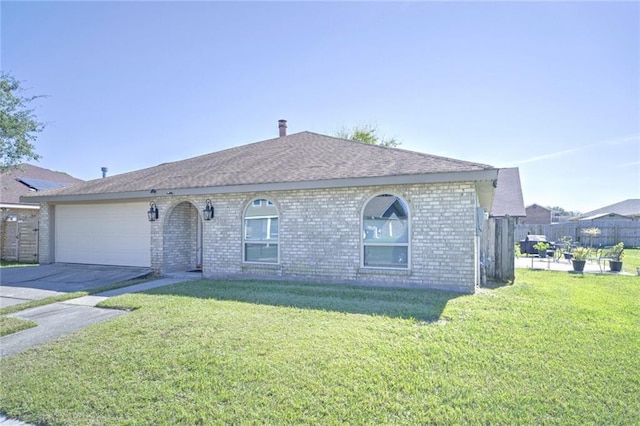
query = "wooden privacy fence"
x=498 y=249
x=611 y=232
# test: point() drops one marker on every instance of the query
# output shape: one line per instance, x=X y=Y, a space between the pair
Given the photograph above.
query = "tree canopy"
x=19 y=127
x=559 y=211
x=366 y=133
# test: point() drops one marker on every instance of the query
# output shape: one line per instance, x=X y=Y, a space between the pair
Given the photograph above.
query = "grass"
x=631 y=261
x=553 y=348
x=13 y=325
x=14 y=264
x=41 y=302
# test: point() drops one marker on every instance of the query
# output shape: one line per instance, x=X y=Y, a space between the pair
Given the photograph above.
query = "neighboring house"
x=19 y=226
x=304 y=206
x=537 y=215
x=499 y=236
x=624 y=210
x=619 y=222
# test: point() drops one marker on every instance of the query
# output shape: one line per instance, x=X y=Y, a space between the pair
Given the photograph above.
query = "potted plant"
x=615 y=255
x=542 y=248
x=579 y=258
x=566 y=242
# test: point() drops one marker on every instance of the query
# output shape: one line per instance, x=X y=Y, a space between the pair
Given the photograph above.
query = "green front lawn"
x=14 y=264
x=553 y=348
x=631 y=261
x=13 y=325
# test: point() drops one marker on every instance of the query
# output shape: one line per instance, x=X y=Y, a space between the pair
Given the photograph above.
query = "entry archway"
x=183 y=239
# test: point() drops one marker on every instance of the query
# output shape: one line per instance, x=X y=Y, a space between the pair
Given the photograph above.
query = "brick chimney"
x=282 y=127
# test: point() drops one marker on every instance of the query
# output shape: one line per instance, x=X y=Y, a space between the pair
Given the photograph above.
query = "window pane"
x=386 y=256
x=386 y=220
x=386 y=206
x=261 y=208
x=261 y=229
x=258 y=252
x=255 y=229
x=386 y=230
x=261 y=232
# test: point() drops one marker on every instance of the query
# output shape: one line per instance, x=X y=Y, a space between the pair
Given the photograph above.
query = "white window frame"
x=258 y=202
x=363 y=243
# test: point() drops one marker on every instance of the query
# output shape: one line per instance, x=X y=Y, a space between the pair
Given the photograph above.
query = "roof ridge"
x=404 y=150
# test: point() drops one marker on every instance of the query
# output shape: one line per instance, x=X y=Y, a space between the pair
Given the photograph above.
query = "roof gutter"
x=33 y=206
x=475 y=175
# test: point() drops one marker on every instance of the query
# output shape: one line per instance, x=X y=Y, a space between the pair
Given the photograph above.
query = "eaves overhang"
x=474 y=175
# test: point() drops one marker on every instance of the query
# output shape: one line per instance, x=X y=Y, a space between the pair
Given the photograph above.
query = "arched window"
x=385 y=232
x=260 y=234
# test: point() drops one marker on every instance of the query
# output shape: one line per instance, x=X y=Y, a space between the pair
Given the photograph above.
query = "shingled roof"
x=628 y=208
x=508 y=200
x=293 y=159
x=27 y=178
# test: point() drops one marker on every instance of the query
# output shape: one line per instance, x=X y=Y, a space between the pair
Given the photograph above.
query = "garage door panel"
x=104 y=234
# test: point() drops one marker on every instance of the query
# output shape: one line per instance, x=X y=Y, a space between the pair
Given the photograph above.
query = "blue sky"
x=550 y=87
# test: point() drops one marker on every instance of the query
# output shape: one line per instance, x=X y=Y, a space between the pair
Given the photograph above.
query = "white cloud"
x=548 y=156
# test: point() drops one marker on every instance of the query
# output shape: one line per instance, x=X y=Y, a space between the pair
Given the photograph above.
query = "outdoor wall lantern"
x=208 y=211
x=153 y=212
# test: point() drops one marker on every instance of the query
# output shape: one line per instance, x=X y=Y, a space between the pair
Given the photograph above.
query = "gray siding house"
x=303 y=206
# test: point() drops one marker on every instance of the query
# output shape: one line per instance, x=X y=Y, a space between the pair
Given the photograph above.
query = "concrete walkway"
x=563 y=265
x=4 y=421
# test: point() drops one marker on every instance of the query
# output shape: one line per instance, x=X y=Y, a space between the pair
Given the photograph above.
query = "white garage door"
x=103 y=234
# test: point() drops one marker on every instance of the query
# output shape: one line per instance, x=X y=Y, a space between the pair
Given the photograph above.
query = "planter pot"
x=578 y=265
x=615 y=266
x=567 y=256
x=542 y=254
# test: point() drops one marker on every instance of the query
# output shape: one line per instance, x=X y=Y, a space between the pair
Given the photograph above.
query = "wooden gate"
x=20 y=241
x=498 y=244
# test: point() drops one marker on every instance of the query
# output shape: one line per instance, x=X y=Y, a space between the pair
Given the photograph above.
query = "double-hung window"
x=385 y=233
x=260 y=233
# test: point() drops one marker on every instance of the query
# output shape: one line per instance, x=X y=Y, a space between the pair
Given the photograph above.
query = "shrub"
x=541 y=246
x=581 y=253
x=616 y=252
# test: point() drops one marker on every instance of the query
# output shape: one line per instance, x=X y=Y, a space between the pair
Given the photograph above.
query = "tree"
x=366 y=133
x=19 y=126
x=591 y=232
x=559 y=211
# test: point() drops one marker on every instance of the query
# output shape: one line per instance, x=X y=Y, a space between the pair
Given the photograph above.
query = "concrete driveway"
x=54 y=320
x=21 y=284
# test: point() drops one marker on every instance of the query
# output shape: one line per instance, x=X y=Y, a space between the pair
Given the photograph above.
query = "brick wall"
x=320 y=235
x=537 y=215
x=46 y=234
x=180 y=239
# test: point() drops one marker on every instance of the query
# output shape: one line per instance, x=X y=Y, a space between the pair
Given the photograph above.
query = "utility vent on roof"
x=282 y=127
